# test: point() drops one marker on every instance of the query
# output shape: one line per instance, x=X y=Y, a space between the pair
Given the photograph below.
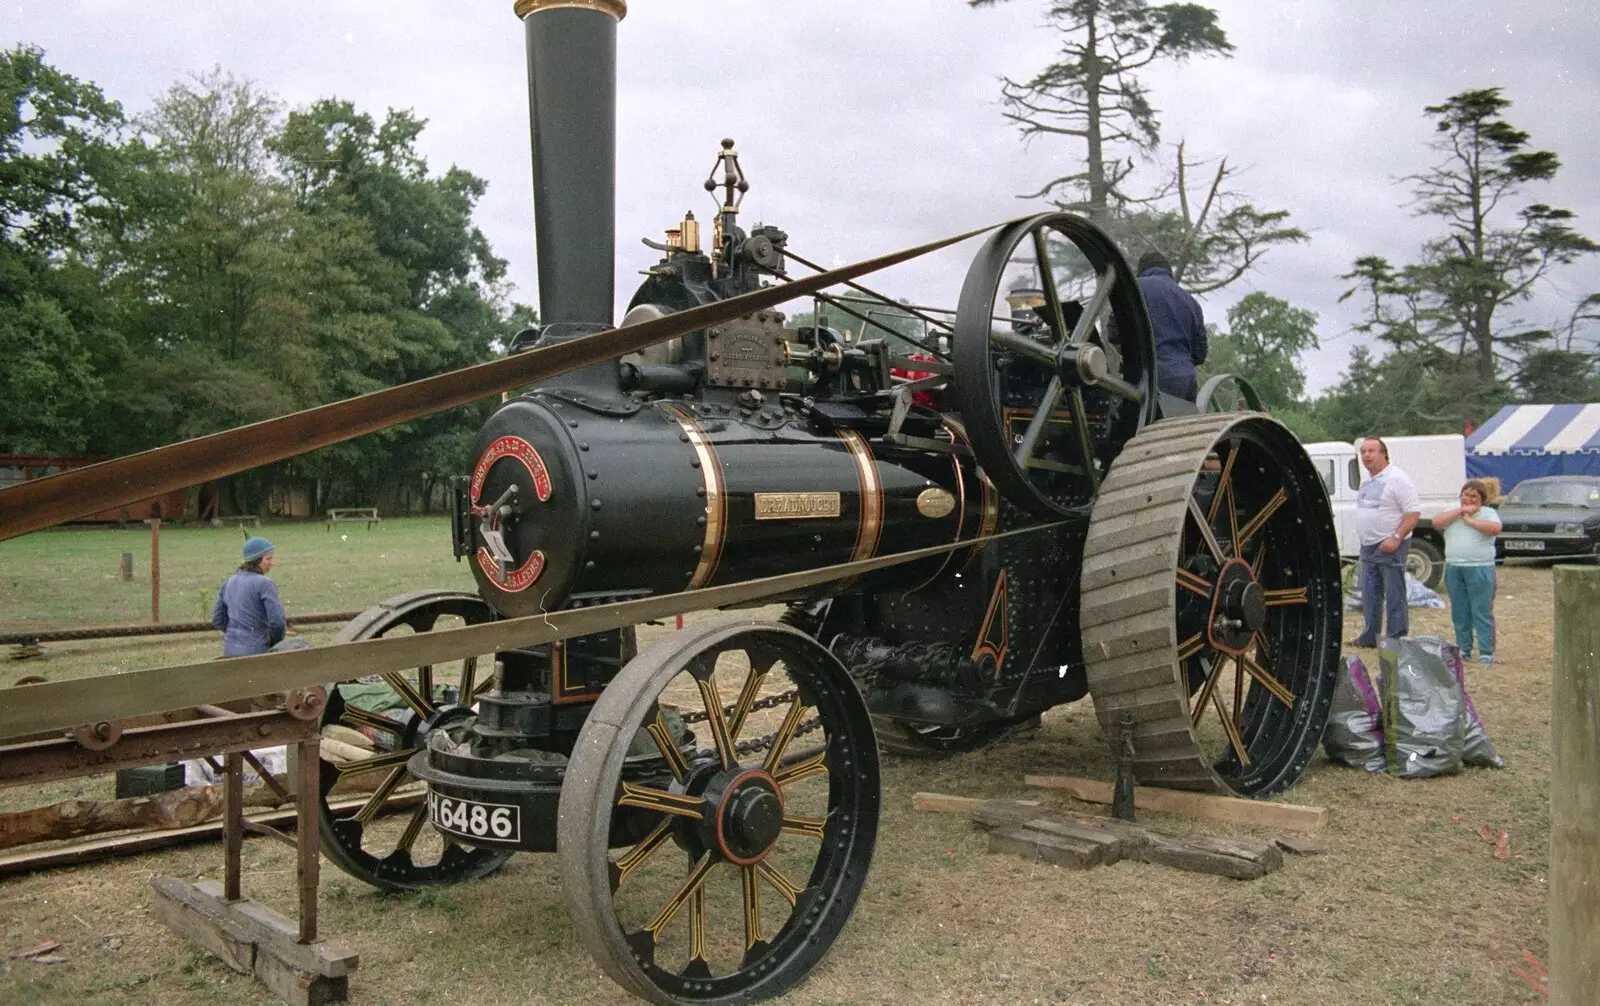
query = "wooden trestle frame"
x=286 y=956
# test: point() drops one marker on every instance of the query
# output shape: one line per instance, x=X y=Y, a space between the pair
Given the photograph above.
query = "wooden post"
x=233 y=824
x=1575 y=789
x=308 y=842
x=127 y=566
x=155 y=568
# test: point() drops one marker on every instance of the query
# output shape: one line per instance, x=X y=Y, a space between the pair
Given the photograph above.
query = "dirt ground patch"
x=1409 y=906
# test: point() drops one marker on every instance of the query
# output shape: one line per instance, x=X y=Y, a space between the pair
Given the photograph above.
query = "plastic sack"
x=1418 y=594
x=1475 y=746
x=1354 y=735
x=1424 y=720
x=198 y=772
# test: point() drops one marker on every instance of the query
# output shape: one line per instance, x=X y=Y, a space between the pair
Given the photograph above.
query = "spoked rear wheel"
x=1210 y=604
x=370 y=730
x=767 y=813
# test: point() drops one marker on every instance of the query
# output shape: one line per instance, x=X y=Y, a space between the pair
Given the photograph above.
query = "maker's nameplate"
x=793 y=506
x=935 y=503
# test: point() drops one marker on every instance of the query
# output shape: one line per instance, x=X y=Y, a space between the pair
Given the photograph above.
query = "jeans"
x=1472 y=606
x=1383 y=592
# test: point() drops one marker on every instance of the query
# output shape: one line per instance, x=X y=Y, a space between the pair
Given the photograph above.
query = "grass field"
x=1408 y=906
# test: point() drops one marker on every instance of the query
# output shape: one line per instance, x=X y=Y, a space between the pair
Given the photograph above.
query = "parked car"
x=1556 y=516
x=1436 y=463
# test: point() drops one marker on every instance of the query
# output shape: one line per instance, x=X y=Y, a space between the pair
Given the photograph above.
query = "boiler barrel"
x=683 y=495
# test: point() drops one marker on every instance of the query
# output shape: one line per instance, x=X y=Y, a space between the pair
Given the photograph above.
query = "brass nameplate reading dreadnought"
x=793 y=506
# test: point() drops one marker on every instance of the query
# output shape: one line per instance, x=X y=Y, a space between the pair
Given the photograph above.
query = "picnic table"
x=366 y=514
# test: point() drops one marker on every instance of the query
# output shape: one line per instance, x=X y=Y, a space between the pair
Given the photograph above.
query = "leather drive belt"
x=41 y=503
x=63 y=705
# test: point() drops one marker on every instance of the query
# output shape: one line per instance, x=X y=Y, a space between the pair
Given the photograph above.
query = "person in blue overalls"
x=1178 y=324
x=248 y=610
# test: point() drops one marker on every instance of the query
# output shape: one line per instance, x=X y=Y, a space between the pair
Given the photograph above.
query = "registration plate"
x=501 y=822
x=1514 y=545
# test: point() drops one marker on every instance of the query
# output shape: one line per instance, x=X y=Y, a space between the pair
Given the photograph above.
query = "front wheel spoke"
x=408 y=838
x=1036 y=426
x=641 y=853
x=1206 y=533
x=1286 y=595
x=369 y=810
x=785 y=734
x=692 y=883
x=697 y=925
x=1264 y=678
x=750 y=881
x=659 y=800
x=788 y=775
x=780 y=883
x=809 y=827
x=408 y=693
x=1206 y=689
x=466 y=692
x=425 y=683
x=747 y=698
x=1231 y=728
x=356 y=718
x=1257 y=522
x=387 y=760
x=669 y=749
x=1259 y=563
x=718 y=720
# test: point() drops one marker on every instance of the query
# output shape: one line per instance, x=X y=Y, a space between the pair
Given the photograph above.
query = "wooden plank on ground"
x=1062 y=850
x=1076 y=841
x=220 y=937
x=260 y=925
x=254 y=940
x=1206 y=854
x=1204 y=805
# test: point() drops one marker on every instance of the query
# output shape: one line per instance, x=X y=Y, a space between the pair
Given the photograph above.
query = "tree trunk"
x=179 y=808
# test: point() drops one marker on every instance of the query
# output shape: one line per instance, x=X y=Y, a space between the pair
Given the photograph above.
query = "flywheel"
x=1210 y=606
x=1055 y=361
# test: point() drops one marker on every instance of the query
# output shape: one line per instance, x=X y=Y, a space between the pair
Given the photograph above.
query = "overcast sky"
x=871 y=125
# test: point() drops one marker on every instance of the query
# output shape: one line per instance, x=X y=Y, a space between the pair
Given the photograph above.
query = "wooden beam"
x=1233 y=810
x=1575 y=789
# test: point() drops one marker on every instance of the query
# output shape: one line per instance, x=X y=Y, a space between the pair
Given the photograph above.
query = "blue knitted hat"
x=255 y=548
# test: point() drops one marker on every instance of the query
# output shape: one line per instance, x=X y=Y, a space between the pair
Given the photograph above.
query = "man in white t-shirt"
x=1387 y=508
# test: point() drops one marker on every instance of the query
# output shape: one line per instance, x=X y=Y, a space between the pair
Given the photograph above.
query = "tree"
x=1450 y=310
x=61 y=160
x=1265 y=338
x=1211 y=241
x=1092 y=92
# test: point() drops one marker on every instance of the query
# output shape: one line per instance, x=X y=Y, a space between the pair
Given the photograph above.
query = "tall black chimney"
x=572 y=99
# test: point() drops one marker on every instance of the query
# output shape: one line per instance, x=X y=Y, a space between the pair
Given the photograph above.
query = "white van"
x=1437 y=464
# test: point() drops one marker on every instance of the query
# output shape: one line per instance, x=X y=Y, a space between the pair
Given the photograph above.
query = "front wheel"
x=750 y=750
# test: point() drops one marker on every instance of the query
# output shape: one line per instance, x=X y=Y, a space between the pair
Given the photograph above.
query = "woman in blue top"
x=1469 y=532
x=248 y=610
